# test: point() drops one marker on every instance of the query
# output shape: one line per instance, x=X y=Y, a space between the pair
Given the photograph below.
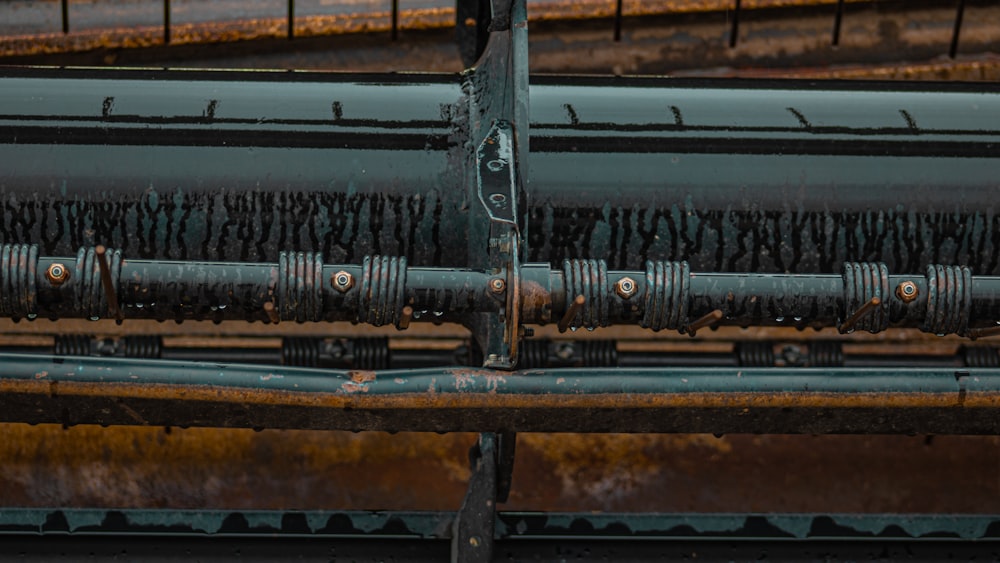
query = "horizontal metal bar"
x=509 y=525
x=73 y=390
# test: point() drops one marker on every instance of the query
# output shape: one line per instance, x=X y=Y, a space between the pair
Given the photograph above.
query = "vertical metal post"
x=395 y=19
x=958 y=28
x=618 y=21
x=166 y=22
x=837 y=19
x=734 y=31
x=65 y=16
x=291 y=19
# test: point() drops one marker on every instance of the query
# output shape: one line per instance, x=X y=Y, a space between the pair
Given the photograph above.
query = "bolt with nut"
x=907 y=291
x=57 y=274
x=342 y=281
x=625 y=287
x=497 y=285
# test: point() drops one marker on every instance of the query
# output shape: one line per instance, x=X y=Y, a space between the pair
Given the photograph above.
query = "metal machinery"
x=522 y=214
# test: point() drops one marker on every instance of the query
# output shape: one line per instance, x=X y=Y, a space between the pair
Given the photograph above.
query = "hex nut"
x=497 y=285
x=625 y=287
x=342 y=281
x=907 y=291
x=57 y=274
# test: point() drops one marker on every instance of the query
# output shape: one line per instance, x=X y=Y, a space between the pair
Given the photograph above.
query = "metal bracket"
x=496 y=183
x=474 y=526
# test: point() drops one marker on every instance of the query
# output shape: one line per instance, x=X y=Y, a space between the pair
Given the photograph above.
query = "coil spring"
x=981 y=356
x=667 y=295
x=588 y=278
x=148 y=346
x=300 y=351
x=18 y=293
x=755 y=354
x=73 y=344
x=949 y=299
x=382 y=290
x=826 y=353
x=90 y=296
x=864 y=281
x=533 y=354
x=599 y=353
x=300 y=286
x=371 y=353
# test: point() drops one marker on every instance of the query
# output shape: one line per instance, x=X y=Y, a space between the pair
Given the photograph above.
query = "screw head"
x=57 y=274
x=907 y=291
x=497 y=285
x=342 y=281
x=625 y=287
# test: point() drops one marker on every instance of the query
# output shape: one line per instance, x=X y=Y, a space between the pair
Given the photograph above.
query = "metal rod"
x=575 y=307
x=272 y=312
x=618 y=20
x=65 y=16
x=291 y=19
x=395 y=20
x=984 y=332
x=108 y=284
x=705 y=322
x=166 y=22
x=861 y=313
x=405 y=318
x=837 y=19
x=734 y=31
x=953 y=50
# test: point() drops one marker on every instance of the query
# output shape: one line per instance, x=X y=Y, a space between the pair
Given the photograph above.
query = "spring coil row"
x=90 y=295
x=599 y=353
x=981 y=356
x=588 y=278
x=864 y=281
x=300 y=351
x=533 y=354
x=755 y=354
x=382 y=290
x=144 y=346
x=18 y=294
x=300 y=286
x=826 y=353
x=949 y=299
x=371 y=353
x=73 y=344
x=667 y=295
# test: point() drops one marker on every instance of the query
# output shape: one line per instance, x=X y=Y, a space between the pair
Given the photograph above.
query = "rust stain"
x=362 y=376
x=41 y=375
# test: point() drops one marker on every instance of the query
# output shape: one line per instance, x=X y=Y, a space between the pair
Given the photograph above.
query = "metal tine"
x=618 y=21
x=395 y=20
x=953 y=50
x=837 y=19
x=734 y=31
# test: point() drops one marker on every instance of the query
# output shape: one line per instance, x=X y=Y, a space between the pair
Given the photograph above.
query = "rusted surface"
x=239 y=469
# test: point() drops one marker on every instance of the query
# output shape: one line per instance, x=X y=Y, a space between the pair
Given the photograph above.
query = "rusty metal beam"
x=119 y=391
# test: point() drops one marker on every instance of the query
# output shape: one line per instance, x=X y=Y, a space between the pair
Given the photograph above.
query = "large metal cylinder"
x=773 y=177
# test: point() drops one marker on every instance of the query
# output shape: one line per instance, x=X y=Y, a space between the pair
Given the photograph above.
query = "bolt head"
x=907 y=291
x=57 y=274
x=497 y=285
x=625 y=287
x=342 y=281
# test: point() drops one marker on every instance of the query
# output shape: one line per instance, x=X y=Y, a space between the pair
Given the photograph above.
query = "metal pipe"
x=867 y=400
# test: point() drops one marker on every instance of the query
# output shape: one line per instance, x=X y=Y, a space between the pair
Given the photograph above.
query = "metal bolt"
x=342 y=281
x=564 y=350
x=497 y=285
x=625 y=287
x=57 y=274
x=907 y=291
